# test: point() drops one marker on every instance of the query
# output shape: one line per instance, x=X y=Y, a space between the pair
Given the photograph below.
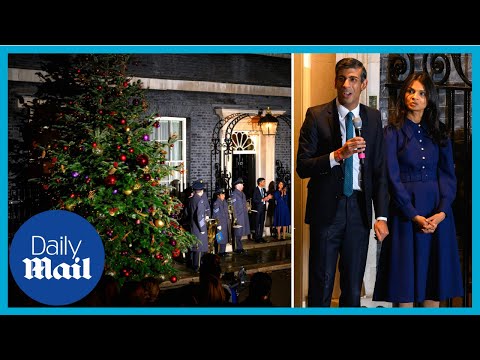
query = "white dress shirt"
x=357 y=174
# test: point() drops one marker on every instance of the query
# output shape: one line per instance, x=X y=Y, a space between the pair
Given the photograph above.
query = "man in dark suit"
x=339 y=211
x=260 y=199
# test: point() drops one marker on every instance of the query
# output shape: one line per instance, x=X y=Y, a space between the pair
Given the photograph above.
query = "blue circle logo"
x=57 y=257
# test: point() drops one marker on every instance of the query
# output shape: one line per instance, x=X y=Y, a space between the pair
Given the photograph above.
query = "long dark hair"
x=437 y=130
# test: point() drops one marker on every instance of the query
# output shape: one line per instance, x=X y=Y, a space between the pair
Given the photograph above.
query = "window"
x=176 y=154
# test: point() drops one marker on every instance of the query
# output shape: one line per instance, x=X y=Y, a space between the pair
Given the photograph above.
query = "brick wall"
x=197 y=107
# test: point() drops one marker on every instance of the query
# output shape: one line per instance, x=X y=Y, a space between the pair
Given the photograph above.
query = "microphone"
x=357 y=123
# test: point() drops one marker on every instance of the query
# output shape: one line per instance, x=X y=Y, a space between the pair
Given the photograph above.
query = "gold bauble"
x=159 y=223
x=70 y=207
x=127 y=192
x=137 y=186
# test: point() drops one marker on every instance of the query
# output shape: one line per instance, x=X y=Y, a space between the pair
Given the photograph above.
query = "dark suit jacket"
x=319 y=136
x=257 y=203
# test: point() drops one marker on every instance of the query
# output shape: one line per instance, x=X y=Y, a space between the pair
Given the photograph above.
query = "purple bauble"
x=75 y=174
x=115 y=191
x=146 y=137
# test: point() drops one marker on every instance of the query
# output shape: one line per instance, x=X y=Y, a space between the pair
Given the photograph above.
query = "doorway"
x=244 y=166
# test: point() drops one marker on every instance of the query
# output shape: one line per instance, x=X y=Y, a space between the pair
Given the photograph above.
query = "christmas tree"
x=93 y=140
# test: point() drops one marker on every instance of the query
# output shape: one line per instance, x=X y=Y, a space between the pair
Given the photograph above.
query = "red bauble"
x=176 y=253
x=159 y=256
x=110 y=180
x=173 y=242
x=123 y=157
x=123 y=121
x=142 y=160
x=131 y=150
x=156 y=124
x=65 y=148
x=119 y=147
x=125 y=84
x=94 y=144
x=147 y=177
x=173 y=279
x=115 y=164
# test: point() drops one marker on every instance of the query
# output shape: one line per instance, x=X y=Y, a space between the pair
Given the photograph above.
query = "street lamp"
x=268 y=123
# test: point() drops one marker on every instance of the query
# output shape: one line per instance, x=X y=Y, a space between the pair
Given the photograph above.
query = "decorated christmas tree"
x=92 y=135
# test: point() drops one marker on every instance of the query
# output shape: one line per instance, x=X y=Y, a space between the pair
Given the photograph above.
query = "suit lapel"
x=334 y=124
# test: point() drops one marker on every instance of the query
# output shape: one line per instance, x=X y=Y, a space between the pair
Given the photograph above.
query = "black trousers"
x=346 y=237
x=259 y=222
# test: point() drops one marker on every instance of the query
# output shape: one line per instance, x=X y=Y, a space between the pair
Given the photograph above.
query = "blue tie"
x=348 y=183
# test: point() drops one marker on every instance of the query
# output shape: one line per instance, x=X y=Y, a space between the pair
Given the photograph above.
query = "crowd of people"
x=232 y=217
x=212 y=290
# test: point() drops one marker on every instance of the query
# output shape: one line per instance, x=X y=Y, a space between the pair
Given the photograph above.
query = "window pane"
x=177 y=128
x=174 y=155
x=163 y=129
x=176 y=151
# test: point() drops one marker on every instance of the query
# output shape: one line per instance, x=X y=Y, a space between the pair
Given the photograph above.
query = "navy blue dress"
x=414 y=266
x=281 y=216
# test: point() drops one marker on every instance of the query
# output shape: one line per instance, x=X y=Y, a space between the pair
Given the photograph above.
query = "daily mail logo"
x=42 y=268
x=57 y=257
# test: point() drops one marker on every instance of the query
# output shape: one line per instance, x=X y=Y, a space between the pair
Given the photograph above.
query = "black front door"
x=244 y=167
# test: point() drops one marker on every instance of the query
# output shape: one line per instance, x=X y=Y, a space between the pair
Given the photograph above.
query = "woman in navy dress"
x=281 y=217
x=419 y=260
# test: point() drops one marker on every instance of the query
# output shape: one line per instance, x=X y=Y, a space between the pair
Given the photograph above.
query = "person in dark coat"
x=339 y=211
x=220 y=212
x=270 y=209
x=198 y=223
x=240 y=213
x=419 y=260
x=282 y=218
x=259 y=291
x=259 y=204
